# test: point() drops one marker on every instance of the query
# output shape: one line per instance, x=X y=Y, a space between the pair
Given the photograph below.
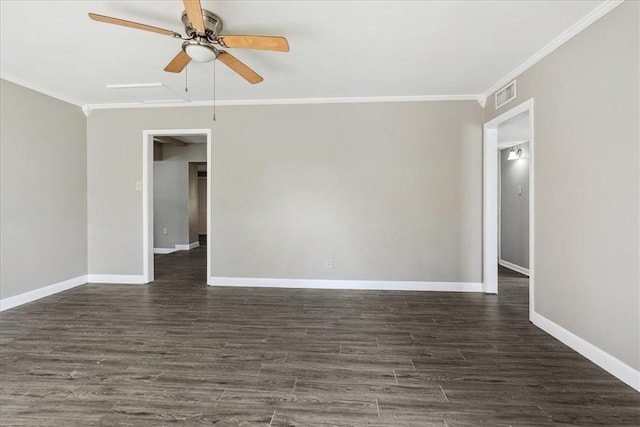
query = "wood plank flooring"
x=179 y=353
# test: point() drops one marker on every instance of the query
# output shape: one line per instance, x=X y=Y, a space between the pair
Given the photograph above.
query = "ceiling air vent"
x=505 y=94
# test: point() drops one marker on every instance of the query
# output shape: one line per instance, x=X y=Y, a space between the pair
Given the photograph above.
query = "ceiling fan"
x=203 y=42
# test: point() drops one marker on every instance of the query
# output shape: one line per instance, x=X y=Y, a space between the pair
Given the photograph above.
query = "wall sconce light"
x=515 y=154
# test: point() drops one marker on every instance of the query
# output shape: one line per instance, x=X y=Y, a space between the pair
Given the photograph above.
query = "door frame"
x=147 y=196
x=490 y=164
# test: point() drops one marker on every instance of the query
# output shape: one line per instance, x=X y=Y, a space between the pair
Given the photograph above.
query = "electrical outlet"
x=329 y=262
x=165 y=230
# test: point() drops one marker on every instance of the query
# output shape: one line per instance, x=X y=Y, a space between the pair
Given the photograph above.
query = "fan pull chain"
x=214 y=91
x=186 y=81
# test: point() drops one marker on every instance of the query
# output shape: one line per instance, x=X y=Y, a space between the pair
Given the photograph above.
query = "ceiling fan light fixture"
x=200 y=52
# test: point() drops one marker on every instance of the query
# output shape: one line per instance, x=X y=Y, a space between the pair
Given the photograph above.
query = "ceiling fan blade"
x=178 y=63
x=276 y=43
x=234 y=63
x=194 y=13
x=131 y=24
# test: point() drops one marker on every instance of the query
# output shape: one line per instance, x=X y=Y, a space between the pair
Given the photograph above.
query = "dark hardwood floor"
x=179 y=353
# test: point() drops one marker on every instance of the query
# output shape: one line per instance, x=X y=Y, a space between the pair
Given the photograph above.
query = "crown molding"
x=87 y=108
x=289 y=101
x=564 y=37
x=41 y=90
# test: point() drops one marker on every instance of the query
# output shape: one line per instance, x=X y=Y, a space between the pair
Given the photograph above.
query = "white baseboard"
x=120 y=279
x=188 y=247
x=609 y=363
x=176 y=249
x=514 y=267
x=14 y=301
x=347 y=284
x=164 y=251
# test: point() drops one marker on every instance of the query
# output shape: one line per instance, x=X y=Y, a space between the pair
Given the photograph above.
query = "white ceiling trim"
x=567 y=35
x=295 y=101
x=45 y=91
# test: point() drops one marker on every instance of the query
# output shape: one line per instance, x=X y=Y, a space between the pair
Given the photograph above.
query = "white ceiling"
x=339 y=49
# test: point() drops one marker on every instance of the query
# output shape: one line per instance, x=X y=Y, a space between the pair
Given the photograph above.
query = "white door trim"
x=147 y=196
x=490 y=201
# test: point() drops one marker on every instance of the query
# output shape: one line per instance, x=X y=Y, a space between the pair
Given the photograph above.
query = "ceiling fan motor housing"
x=212 y=24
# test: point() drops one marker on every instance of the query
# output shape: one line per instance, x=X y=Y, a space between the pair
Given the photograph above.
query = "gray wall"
x=43 y=183
x=389 y=191
x=587 y=182
x=189 y=153
x=514 y=208
x=202 y=205
x=193 y=202
x=170 y=204
x=175 y=195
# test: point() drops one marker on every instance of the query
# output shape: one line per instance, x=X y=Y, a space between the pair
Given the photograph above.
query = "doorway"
x=513 y=193
x=493 y=146
x=173 y=137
